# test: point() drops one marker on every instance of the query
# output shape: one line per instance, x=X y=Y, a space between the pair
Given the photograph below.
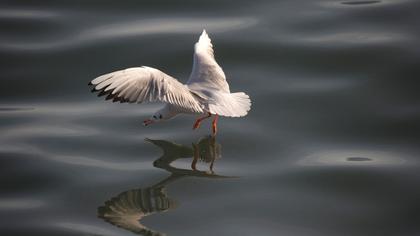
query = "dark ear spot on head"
x=160 y=116
x=154 y=116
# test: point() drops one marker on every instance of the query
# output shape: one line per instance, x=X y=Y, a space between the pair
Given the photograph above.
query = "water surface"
x=330 y=146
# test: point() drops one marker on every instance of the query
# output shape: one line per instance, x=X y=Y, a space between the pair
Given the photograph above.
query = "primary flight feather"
x=206 y=92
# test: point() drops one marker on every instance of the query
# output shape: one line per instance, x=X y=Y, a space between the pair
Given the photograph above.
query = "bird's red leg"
x=214 y=124
x=198 y=121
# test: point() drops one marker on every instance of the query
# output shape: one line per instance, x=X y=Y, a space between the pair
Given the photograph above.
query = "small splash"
x=359 y=2
x=358 y=159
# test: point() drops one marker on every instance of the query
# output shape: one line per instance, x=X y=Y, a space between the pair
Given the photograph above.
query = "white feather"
x=142 y=84
x=206 y=73
x=208 y=80
x=206 y=90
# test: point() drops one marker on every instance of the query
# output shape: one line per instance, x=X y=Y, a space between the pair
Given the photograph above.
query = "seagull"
x=206 y=92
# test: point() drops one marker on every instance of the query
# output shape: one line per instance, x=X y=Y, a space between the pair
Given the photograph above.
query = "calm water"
x=330 y=147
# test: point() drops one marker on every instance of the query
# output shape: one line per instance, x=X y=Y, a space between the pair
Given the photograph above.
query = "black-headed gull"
x=206 y=92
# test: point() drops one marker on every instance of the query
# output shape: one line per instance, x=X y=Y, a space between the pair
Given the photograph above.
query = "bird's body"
x=206 y=92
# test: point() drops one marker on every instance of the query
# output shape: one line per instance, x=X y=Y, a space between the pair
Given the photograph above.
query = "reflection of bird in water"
x=206 y=150
x=126 y=209
x=129 y=207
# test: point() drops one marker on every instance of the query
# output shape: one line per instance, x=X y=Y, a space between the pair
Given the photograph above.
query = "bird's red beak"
x=148 y=122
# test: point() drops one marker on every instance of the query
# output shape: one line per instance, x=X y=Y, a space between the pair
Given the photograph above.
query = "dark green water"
x=330 y=147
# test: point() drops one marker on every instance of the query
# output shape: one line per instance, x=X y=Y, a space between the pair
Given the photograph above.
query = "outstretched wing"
x=206 y=73
x=145 y=84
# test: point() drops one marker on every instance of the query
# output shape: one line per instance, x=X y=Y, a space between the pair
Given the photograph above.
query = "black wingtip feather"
x=110 y=96
x=103 y=93
x=118 y=99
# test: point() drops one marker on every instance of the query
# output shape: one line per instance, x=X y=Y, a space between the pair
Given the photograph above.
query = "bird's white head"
x=163 y=114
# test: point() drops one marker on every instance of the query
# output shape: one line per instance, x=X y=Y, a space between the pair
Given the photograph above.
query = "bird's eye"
x=155 y=117
x=160 y=116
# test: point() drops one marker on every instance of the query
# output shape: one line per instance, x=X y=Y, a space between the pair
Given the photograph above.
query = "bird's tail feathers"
x=234 y=105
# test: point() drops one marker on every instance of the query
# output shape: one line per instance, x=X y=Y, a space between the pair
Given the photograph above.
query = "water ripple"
x=356 y=37
x=74 y=159
x=30 y=14
x=15 y=109
x=363 y=3
x=353 y=158
x=360 y=2
x=20 y=204
x=86 y=229
x=132 y=29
